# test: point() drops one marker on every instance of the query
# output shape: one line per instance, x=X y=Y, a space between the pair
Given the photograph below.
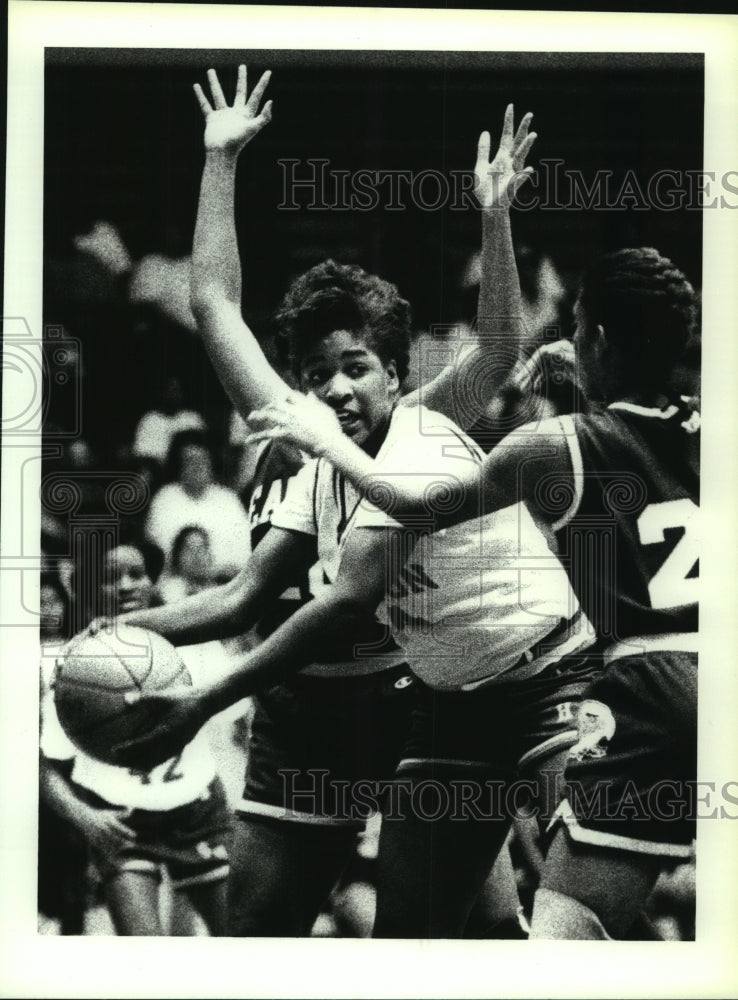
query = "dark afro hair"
x=646 y=306
x=333 y=296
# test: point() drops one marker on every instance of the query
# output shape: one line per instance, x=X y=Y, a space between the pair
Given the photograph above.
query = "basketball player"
x=135 y=821
x=277 y=890
x=334 y=365
x=628 y=532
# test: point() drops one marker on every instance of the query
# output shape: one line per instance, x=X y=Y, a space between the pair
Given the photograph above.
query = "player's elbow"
x=349 y=607
x=206 y=296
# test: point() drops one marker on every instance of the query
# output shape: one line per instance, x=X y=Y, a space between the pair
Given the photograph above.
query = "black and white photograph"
x=368 y=463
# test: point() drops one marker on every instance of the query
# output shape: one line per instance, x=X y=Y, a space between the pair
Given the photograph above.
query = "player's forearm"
x=324 y=630
x=499 y=310
x=216 y=267
x=243 y=370
x=418 y=499
x=466 y=387
x=215 y=613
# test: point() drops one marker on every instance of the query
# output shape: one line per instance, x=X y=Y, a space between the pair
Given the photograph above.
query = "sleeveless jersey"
x=469 y=603
x=276 y=467
x=320 y=502
x=630 y=540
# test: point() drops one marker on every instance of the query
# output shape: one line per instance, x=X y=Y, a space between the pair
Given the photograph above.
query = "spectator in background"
x=191 y=566
x=193 y=498
x=157 y=428
x=156 y=279
x=62 y=851
x=174 y=815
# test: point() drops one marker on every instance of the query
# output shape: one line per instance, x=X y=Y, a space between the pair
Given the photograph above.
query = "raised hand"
x=303 y=421
x=229 y=128
x=496 y=182
x=177 y=715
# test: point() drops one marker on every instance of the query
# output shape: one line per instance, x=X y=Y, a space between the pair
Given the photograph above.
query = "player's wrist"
x=210 y=700
x=224 y=156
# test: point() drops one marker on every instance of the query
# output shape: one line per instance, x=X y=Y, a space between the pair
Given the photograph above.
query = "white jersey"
x=174 y=783
x=320 y=502
x=471 y=601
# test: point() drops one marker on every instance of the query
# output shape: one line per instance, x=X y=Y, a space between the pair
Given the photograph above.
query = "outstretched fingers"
x=506 y=139
x=258 y=92
x=216 y=90
x=240 y=87
x=202 y=100
x=522 y=131
x=266 y=114
x=523 y=149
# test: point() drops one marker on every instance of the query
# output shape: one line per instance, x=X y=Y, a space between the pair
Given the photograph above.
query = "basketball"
x=91 y=683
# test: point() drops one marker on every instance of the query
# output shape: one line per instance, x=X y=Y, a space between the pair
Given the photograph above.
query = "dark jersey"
x=630 y=540
x=275 y=468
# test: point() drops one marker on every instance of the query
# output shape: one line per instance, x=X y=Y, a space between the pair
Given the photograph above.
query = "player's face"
x=127 y=585
x=344 y=372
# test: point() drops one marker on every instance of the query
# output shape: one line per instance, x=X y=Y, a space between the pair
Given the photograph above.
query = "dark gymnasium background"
x=123 y=143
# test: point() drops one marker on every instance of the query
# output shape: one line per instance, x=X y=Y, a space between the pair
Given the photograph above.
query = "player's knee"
x=561 y=917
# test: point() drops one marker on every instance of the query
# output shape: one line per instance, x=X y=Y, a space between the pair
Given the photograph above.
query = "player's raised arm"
x=464 y=389
x=242 y=368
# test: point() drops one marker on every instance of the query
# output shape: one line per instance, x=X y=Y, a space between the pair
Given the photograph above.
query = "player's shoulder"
x=547 y=436
x=417 y=432
x=419 y=421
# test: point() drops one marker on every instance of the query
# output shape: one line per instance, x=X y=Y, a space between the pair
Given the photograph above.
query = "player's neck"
x=376 y=439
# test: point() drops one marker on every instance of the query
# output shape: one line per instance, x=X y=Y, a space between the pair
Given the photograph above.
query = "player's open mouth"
x=130 y=604
x=349 y=421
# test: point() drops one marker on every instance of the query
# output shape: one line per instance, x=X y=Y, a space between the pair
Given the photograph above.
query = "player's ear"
x=393 y=382
x=600 y=339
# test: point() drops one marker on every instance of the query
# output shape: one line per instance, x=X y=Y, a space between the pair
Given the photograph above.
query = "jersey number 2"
x=670 y=586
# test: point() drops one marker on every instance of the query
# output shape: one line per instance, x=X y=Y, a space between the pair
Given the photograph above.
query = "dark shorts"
x=191 y=841
x=495 y=735
x=314 y=740
x=631 y=777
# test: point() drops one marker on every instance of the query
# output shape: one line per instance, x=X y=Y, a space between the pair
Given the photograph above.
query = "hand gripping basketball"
x=179 y=715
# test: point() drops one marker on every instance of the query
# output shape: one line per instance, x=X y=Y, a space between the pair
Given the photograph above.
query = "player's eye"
x=356 y=371
x=316 y=377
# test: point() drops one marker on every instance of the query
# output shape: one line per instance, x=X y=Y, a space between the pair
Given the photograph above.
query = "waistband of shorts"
x=671 y=642
x=542 y=655
x=361 y=667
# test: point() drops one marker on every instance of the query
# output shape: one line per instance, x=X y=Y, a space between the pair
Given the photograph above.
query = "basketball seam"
x=139 y=684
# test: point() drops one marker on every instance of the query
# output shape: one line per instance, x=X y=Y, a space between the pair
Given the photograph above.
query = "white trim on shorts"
x=252 y=807
x=673 y=642
x=114 y=867
x=407 y=763
x=577 y=465
x=602 y=838
x=214 y=875
x=556 y=742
